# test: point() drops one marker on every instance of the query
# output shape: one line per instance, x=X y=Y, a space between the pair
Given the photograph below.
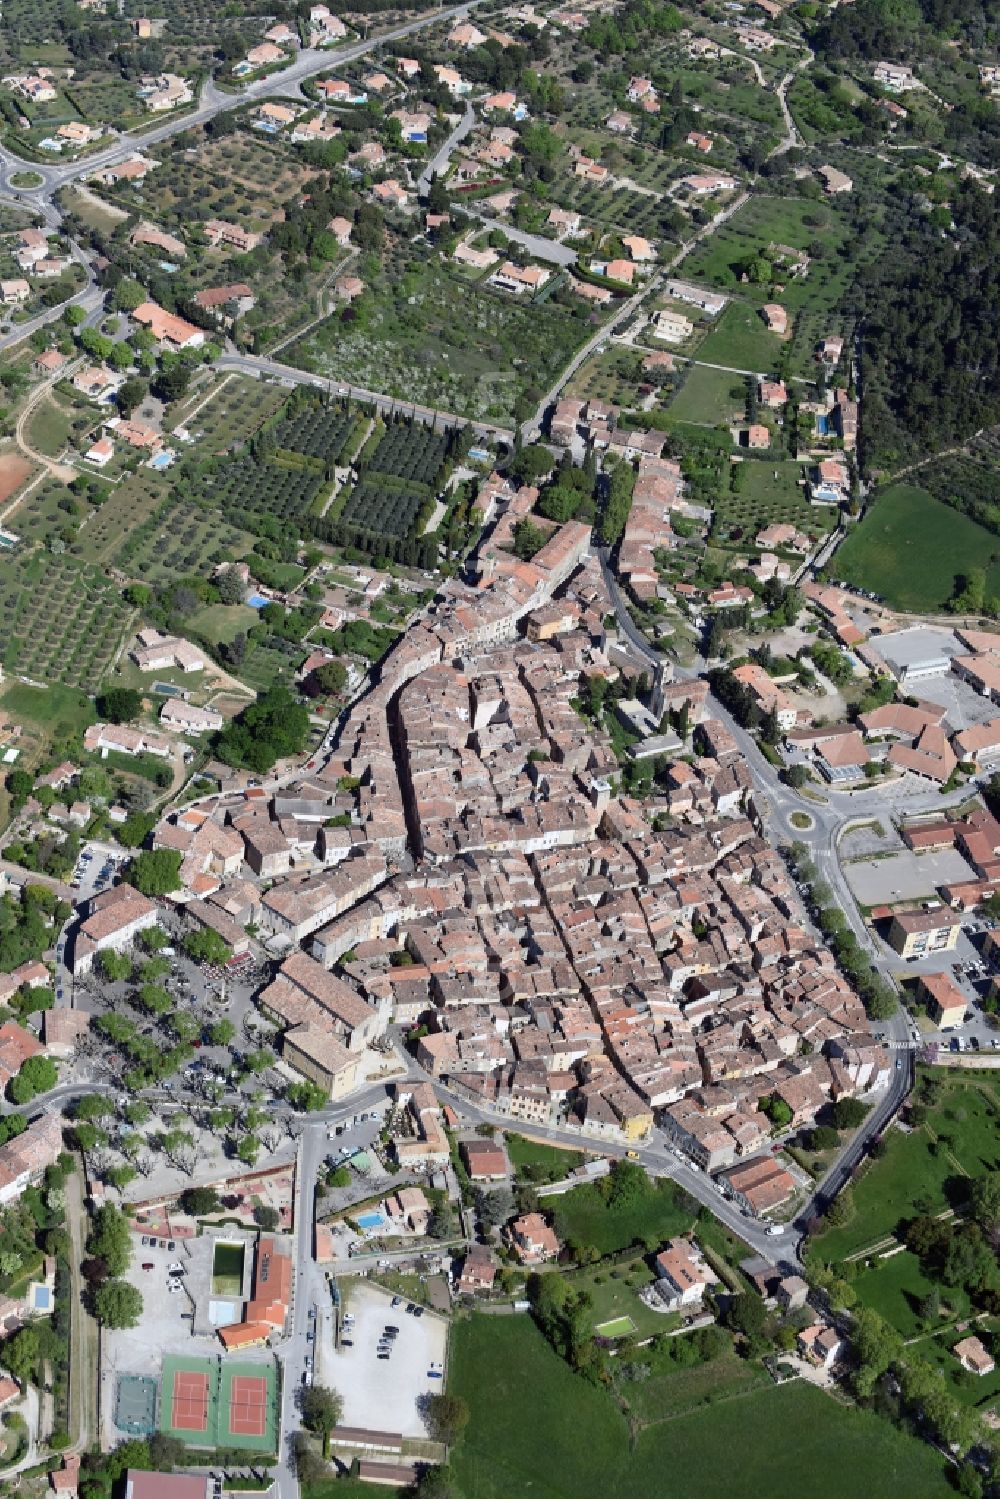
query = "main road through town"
x=213 y=101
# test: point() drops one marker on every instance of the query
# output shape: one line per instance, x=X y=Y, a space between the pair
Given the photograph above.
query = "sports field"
x=135 y=1404
x=211 y=1403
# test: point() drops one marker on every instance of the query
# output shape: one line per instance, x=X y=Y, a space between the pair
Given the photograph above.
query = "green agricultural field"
x=740 y=340
x=538 y=1429
x=910 y=548
x=583 y=1216
x=670 y=1391
x=420 y=334
x=797 y=222
x=176 y=539
x=613 y=374
x=266 y=664
x=710 y=398
x=230 y=411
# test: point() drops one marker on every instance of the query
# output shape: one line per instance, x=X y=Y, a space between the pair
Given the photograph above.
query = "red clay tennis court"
x=189 y=1402
x=248 y=1405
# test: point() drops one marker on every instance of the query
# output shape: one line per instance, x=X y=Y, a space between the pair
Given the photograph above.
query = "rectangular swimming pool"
x=371 y=1220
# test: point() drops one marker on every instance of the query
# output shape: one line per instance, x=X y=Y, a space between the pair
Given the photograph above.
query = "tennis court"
x=190 y=1404
x=249 y=1405
x=135 y=1405
x=190 y=1401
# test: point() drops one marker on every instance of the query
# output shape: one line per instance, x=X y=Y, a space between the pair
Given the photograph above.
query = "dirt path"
x=83 y=1371
x=57 y=470
x=912 y=468
x=216 y=390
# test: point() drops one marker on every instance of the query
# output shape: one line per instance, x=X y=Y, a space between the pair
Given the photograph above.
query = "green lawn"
x=218 y=622
x=614 y=1293
x=49 y=427
x=583 y=1216
x=338 y=1488
x=971 y=1389
x=538 y=1429
x=911 y=547
x=49 y=706
x=741 y=340
x=916 y=1173
x=535 y=1161
x=894 y=1288
x=886 y=1192
x=711 y=398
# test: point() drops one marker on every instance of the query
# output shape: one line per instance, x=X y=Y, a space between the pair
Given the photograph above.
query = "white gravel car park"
x=383 y=1394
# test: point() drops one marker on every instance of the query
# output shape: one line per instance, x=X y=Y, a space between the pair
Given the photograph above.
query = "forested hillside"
x=931 y=364
x=904 y=29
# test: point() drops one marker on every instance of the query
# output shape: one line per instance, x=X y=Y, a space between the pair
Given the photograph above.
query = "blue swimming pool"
x=162 y=460
x=257 y=601
x=371 y=1220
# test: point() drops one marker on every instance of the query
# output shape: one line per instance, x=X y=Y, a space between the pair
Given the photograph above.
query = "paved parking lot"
x=383 y=1395
x=905 y=876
